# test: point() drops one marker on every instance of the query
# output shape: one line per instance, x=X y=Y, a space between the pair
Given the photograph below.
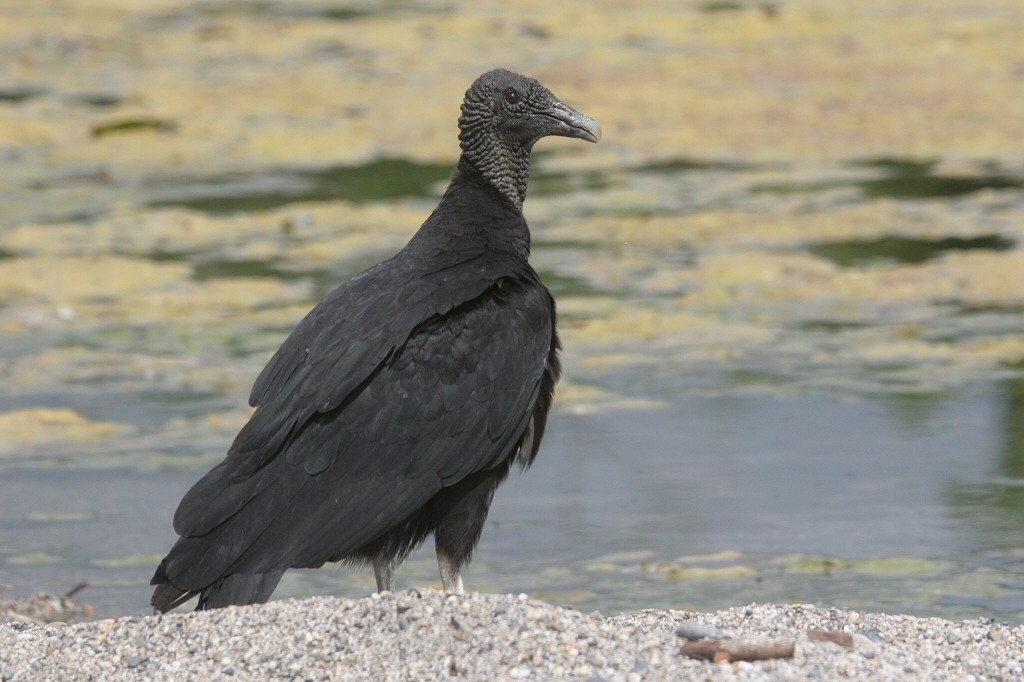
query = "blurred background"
x=790 y=277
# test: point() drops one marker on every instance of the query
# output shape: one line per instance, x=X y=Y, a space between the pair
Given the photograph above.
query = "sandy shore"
x=428 y=635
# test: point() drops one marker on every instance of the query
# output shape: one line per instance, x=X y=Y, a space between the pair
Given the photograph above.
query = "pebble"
x=874 y=635
x=428 y=635
x=867 y=647
x=695 y=630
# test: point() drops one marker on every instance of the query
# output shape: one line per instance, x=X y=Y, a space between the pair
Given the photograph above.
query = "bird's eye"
x=512 y=96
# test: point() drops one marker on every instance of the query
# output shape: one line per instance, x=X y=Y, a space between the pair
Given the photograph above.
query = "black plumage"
x=401 y=401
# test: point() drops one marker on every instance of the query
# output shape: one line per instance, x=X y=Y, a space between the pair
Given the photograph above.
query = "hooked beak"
x=567 y=122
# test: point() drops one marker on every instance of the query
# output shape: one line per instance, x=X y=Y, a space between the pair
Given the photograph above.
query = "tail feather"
x=235 y=589
x=167 y=597
x=239 y=589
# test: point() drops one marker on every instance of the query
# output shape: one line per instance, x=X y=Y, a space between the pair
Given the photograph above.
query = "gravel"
x=429 y=635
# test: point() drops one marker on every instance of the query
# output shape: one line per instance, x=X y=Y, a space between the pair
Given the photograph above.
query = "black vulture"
x=401 y=401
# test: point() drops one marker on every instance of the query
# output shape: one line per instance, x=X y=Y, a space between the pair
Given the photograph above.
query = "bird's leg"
x=384 y=572
x=461 y=511
x=451 y=572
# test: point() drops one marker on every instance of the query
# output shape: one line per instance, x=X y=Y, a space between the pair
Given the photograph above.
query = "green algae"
x=904 y=249
x=34 y=558
x=877 y=566
x=133 y=125
x=378 y=180
x=130 y=560
x=60 y=517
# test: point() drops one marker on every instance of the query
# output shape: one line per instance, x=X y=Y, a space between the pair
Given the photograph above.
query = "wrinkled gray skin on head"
x=503 y=116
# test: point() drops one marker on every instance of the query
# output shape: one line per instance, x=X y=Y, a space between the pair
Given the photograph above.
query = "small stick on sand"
x=718 y=651
x=843 y=639
x=76 y=589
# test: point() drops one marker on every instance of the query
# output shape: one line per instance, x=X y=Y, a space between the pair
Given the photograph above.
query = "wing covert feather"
x=347 y=338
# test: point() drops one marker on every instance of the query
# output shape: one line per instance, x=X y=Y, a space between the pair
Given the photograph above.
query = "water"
x=907 y=179
x=374 y=181
x=904 y=249
x=774 y=455
x=801 y=493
